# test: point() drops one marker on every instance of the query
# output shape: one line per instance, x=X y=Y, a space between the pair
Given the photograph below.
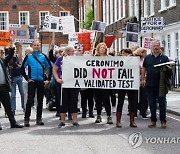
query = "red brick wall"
x=34 y=6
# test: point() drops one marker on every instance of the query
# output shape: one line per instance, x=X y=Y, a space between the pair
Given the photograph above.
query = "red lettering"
x=104 y=73
x=94 y=71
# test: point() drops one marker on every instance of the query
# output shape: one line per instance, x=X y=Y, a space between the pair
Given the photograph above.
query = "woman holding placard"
x=102 y=96
x=131 y=98
x=69 y=95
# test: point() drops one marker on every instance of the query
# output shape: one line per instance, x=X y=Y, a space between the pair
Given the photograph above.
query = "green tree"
x=88 y=19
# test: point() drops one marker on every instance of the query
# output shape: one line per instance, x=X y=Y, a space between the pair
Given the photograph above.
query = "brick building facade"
x=34 y=9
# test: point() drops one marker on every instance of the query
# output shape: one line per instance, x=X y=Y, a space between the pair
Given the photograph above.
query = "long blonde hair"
x=98 y=47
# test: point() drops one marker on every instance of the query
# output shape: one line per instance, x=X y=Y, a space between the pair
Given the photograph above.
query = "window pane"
x=3 y=20
x=42 y=16
x=24 y=18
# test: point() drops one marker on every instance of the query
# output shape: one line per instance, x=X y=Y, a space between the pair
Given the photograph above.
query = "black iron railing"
x=176 y=75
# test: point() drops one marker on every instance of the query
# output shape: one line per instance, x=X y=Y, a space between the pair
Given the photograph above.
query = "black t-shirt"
x=15 y=70
x=153 y=75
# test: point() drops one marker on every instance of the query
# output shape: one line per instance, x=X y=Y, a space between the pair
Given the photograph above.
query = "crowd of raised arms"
x=33 y=84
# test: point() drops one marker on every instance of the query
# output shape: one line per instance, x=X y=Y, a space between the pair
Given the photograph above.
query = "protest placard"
x=152 y=24
x=98 y=26
x=132 y=32
x=109 y=40
x=23 y=33
x=148 y=42
x=84 y=38
x=68 y=24
x=100 y=72
x=52 y=24
x=4 y=38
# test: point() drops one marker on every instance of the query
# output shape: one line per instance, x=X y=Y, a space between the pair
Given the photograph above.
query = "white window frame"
x=124 y=9
x=60 y=13
x=152 y=8
x=107 y=11
x=115 y=10
x=136 y=8
x=131 y=8
x=27 y=20
x=172 y=3
x=41 y=20
x=104 y=10
x=84 y=8
x=6 y=21
x=145 y=8
x=163 y=6
x=120 y=9
x=80 y=21
x=111 y=11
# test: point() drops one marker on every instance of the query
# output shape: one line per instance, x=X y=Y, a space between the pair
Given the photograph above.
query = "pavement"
x=173 y=102
x=90 y=138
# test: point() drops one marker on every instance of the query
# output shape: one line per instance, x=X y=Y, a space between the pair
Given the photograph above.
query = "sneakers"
x=99 y=119
x=152 y=124
x=109 y=120
x=144 y=117
x=16 y=126
x=76 y=124
x=163 y=125
x=39 y=122
x=61 y=125
x=149 y=115
x=26 y=123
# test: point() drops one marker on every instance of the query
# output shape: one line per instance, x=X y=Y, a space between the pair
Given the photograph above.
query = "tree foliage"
x=88 y=19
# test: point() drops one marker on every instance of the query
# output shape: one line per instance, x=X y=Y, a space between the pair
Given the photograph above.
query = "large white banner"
x=100 y=72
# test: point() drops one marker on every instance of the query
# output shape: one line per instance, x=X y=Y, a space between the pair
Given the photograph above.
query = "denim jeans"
x=16 y=81
x=152 y=96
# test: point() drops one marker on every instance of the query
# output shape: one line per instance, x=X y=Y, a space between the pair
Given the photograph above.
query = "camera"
x=11 y=49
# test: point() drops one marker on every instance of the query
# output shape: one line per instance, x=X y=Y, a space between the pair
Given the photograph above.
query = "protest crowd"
x=37 y=75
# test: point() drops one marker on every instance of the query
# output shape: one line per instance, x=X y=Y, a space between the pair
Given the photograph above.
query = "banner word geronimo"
x=101 y=72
